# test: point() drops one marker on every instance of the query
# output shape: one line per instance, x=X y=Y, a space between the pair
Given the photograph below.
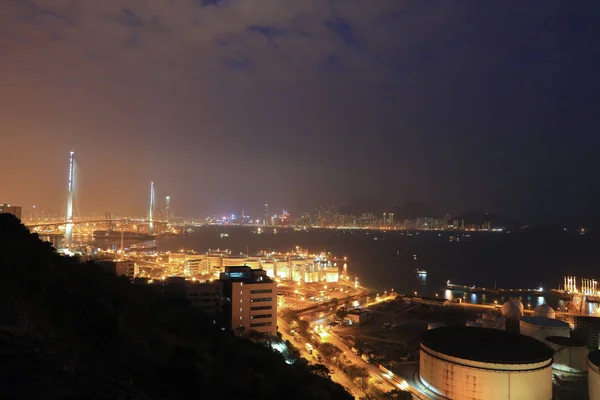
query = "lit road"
x=337 y=375
x=374 y=371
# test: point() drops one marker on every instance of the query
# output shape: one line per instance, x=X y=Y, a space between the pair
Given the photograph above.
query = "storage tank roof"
x=512 y=309
x=594 y=357
x=486 y=345
x=544 y=311
x=565 y=341
x=546 y=322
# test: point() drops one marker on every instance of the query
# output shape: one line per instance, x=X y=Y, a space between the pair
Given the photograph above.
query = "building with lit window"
x=9 y=209
x=248 y=300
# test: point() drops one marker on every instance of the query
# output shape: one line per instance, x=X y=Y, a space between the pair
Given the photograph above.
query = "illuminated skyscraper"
x=266 y=223
x=69 y=214
x=168 y=208
x=151 y=209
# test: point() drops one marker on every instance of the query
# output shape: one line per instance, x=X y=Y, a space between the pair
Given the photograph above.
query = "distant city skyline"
x=235 y=104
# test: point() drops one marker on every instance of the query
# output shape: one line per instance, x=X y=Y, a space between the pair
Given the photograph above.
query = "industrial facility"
x=479 y=363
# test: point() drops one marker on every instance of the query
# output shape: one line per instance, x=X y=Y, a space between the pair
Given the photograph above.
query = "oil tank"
x=541 y=327
x=593 y=362
x=485 y=364
x=569 y=354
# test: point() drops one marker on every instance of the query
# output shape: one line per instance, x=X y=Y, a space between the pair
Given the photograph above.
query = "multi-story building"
x=266 y=216
x=9 y=209
x=203 y=295
x=119 y=268
x=194 y=265
x=248 y=300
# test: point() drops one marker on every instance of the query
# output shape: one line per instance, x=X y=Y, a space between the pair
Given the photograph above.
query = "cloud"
x=343 y=29
x=241 y=64
x=362 y=79
x=300 y=34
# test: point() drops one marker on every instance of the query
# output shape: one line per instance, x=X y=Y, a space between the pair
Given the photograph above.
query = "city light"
x=404 y=386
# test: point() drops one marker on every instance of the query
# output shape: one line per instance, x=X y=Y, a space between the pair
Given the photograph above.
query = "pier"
x=518 y=291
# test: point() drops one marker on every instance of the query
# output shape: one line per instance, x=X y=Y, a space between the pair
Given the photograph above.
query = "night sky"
x=231 y=104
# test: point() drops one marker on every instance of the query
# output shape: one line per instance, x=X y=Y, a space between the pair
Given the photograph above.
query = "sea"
x=385 y=260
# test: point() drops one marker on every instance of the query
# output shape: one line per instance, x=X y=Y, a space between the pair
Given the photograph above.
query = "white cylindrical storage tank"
x=434 y=325
x=569 y=354
x=541 y=327
x=485 y=364
x=593 y=363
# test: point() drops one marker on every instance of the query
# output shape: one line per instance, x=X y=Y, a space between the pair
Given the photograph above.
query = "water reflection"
x=529 y=301
x=540 y=300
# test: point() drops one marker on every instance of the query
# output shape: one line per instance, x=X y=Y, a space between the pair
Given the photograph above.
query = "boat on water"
x=420 y=271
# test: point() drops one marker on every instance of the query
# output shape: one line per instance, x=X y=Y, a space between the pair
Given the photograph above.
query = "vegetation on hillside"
x=67 y=330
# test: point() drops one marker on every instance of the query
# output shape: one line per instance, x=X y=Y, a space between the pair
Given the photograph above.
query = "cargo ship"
x=127 y=235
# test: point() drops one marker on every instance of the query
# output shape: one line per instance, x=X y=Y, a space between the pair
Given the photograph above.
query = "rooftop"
x=547 y=322
x=486 y=345
x=565 y=341
x=244 y=274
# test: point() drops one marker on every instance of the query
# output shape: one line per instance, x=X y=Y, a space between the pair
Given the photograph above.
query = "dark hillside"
x=69 y=331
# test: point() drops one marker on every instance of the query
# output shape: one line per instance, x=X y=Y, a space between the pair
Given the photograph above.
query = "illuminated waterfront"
x=510 y=260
